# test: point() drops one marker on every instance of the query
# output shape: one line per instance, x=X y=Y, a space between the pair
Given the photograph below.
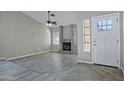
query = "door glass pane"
x=99 y=23
x=109 y=27
x=104 y=28
x=109 y=22
x=100 y=28
x=104 y=23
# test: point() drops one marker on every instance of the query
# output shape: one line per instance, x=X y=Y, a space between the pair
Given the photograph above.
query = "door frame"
x=118 y=35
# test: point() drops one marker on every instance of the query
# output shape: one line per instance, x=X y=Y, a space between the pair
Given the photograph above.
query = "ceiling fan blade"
x=54 y=23
x=49 y=22
x=52 y=15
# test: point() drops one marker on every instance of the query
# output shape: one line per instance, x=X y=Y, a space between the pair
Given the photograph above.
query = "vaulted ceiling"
x=40 y=16
x=64 y=17
x=61 y=17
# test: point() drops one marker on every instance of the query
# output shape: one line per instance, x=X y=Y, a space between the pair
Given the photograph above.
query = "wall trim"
x=82 y=61
x=54 y=50
x=3 y=58
x=32 y=54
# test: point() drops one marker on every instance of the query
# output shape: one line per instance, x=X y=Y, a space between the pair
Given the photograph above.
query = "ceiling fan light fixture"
x=49 y=25
x=49 y=22
x=54 y=23
x=52 y=15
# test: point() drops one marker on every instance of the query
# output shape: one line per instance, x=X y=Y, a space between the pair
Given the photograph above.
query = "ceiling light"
x=49 y=22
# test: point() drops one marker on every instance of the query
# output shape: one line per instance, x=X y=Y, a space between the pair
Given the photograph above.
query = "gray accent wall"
x=21 y=35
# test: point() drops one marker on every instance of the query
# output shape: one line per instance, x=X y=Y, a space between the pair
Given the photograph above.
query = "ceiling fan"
x=49 y=22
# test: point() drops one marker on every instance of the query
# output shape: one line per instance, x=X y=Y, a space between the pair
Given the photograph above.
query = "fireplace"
x=67 y=46
x=68 y=39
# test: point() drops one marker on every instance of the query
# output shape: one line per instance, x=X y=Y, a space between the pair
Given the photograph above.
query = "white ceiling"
x=65 y=17
x=61 y=17
x=40 y=16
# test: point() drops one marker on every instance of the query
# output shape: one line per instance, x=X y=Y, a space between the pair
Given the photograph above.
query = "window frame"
x=108 y=26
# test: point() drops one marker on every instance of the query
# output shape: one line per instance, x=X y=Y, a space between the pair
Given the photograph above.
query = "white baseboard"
x=3 y=58
x=27 y=55
x=54 y=50
x=82 y=61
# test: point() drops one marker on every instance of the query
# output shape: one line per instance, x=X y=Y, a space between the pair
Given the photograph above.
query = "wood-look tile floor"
x=55 y=67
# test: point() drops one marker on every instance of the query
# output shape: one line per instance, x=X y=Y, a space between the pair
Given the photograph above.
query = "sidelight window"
x=86 y=35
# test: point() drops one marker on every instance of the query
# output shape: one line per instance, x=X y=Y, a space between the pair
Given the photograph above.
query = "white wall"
x=21 y=35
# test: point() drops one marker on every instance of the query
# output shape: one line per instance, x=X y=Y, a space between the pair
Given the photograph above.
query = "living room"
x=39 y=48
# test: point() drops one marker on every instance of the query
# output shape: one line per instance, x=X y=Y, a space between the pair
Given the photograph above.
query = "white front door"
x=105 y=38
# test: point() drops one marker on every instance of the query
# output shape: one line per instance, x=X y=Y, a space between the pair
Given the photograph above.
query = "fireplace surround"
x=68 y=39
